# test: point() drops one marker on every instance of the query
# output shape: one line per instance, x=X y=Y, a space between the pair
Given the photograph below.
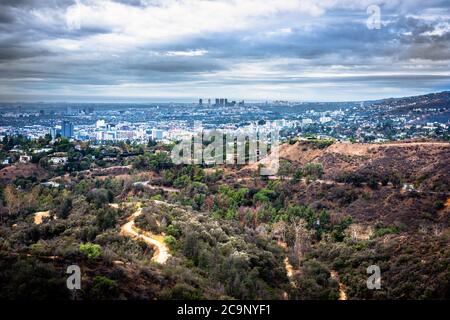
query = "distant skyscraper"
x=67 y=129
x=226 y=102
x=209 y=102
x=221 y=102
x=157 y=134
x=53 y=133
x=217 y=102
x=69 y=111
x=200 y=102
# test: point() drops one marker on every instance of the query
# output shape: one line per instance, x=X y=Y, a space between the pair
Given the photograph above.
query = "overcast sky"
x=159 y=50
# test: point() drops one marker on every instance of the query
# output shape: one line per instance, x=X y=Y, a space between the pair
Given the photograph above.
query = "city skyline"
x=178 y=51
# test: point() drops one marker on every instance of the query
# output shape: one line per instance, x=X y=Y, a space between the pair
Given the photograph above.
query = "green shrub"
x=182 y=291
x=103 y=288
x=313 y=170
x=170 y=241
x=157 y=197
x=321 y=143
x=63 y=209
x=381 y=231
x=90 y=250
x=105 y=218
x=173 y=231
x=264 y=195
x=297 y=176
x=100 y=197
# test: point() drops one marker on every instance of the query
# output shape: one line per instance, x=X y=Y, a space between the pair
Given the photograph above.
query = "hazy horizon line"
x=167 y=100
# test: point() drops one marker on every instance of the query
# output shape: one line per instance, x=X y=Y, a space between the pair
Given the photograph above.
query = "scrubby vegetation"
x=228 y=230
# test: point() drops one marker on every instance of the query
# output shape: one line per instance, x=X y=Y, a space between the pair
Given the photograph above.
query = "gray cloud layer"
x=263 y=50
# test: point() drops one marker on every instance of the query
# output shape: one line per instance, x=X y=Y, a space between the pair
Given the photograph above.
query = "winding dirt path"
x=290 y=274
x=129 y=229
x=418 y=143
x=342 y=293
x=156 y=187
x=287 y=265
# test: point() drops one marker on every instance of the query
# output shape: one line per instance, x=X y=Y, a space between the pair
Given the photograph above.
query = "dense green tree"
x=62 y=211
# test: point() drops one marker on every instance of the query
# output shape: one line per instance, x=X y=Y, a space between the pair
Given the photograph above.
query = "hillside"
x=416 y=162
x=147 y=229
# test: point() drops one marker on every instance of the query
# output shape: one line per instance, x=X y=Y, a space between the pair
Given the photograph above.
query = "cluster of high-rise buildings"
x=221 y=102
x=104 y=131
x=66 y=130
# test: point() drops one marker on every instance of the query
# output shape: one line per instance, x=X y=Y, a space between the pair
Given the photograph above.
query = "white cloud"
x=439 y=30
x=174 y=19
x=189 y=53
